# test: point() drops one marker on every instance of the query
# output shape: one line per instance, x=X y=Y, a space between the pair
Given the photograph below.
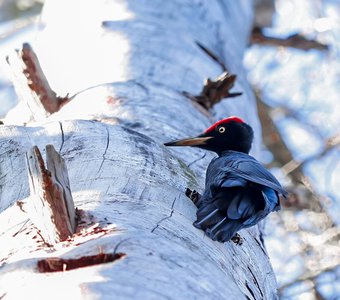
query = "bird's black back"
x=239 y=193
x=248 y=168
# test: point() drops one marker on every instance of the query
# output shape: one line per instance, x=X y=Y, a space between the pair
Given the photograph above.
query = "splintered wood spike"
x=31 y=83
x=51 y=205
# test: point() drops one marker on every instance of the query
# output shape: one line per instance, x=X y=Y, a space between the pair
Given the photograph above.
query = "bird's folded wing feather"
x=251 y=170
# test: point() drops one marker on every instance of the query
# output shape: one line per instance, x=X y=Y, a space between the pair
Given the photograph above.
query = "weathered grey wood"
x=142 y=193
x=129 y=187
x=59 y=175
x=51 y=206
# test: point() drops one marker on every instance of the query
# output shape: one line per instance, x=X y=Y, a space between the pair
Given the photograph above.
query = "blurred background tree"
x=293 y=62
x=16 y=9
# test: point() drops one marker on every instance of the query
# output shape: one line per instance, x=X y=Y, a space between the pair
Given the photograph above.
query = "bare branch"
x=295 y=41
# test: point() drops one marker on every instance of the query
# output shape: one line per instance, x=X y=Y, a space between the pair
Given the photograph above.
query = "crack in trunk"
x=105 y=151
x=165 y=218
x=62 y=136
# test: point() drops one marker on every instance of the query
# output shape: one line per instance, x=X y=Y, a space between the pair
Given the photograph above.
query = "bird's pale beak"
x=195 y=141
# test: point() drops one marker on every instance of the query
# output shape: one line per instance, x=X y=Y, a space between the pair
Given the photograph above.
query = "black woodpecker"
x=239 y=191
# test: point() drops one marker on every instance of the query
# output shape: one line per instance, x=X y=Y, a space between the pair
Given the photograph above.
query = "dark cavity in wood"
x=56 y=264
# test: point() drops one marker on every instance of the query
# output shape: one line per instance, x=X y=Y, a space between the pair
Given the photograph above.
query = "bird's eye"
x=221 y=129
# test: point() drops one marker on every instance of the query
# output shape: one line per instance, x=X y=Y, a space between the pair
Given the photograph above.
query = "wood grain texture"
x=129 y=62
x=51 y=206
x=57 y=167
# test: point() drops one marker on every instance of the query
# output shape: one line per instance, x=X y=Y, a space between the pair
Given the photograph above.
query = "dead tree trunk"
x=127 y=64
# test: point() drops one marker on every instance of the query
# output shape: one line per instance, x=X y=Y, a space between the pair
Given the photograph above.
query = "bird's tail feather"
x=224 y=231
x=216 y=225
x=226 y=214
x=208 y=216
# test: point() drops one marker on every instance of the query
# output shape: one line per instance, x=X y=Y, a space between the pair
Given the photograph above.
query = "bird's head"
x=228 y=134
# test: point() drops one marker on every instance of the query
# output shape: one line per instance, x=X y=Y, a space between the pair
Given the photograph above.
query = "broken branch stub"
x=31 y=83
x=215 y=90
x=51 y=204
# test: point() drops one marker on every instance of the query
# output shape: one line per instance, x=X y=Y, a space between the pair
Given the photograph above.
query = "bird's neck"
x=228 y=152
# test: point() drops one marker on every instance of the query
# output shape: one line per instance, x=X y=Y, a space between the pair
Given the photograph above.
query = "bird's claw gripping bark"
x=192 y=195
x=237 y=239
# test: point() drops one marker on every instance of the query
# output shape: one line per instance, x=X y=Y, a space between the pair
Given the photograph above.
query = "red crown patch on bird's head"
x=224 y=121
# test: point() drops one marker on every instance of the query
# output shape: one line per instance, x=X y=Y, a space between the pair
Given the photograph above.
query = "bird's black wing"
x=234 y=208
x=231 y=201
x=250 y=169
